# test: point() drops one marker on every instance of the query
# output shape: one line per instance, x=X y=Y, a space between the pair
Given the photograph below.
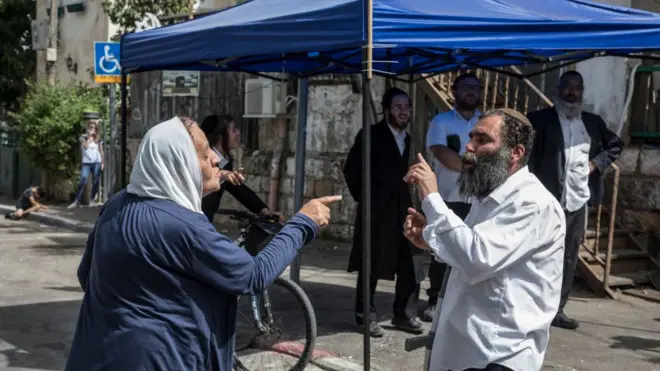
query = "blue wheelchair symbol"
x=108 y=63
x=106 y=56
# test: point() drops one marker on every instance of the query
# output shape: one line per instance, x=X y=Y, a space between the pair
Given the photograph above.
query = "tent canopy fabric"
x=327 y=36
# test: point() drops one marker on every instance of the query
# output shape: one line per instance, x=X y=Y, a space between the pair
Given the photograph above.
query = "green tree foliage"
x=125 y=13
x=50 y=122
x=17 y=60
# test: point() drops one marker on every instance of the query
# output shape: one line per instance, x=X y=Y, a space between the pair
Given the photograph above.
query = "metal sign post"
x=107 y=70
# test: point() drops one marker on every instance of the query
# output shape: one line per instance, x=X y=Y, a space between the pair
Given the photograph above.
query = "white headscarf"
x=166 y=166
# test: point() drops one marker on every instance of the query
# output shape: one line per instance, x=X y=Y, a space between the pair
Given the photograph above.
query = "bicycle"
x=254 y=234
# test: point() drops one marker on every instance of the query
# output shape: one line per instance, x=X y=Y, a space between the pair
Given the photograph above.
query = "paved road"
x=40 y=298
x=39 y=294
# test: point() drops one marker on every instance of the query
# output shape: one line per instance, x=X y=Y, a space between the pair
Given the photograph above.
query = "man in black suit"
x=571 y=152
x=391 y=254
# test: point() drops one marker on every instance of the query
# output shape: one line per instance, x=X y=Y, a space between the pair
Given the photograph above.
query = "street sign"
x=107 y=69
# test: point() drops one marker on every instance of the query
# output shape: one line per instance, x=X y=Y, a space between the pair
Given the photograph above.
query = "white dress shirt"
x=507 y=261
x=399 y=137
x=442 y=125
x=577 y=144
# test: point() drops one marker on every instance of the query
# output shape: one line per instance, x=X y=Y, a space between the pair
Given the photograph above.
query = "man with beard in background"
x=391 y=254
x=448 y=133
x=506 y=257
x=571 y=152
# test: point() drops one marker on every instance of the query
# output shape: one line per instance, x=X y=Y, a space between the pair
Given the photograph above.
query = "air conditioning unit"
x=263 y=98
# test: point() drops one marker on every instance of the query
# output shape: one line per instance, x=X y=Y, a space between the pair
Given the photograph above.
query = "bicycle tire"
x=310 y=326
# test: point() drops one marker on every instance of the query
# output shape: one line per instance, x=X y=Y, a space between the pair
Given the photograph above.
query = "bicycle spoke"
x=289 y=343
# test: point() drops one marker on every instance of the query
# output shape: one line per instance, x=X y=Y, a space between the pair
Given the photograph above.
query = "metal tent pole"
x=366 y=182
x=299 y=181
x=111 y=148
x=366 y=220
x=124 y=130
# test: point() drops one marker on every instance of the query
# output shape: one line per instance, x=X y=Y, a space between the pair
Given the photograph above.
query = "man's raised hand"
x=318 y=210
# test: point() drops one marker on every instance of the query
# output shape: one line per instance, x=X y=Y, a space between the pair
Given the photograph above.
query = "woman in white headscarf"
x=160 y=283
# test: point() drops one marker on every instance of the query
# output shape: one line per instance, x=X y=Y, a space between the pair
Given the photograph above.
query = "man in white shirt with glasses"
x=448 y=134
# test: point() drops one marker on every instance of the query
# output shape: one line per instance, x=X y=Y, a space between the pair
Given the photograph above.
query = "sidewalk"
x=81 y=219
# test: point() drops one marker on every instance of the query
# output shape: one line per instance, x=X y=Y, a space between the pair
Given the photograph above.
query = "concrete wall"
x=77 y=32
x=639 y=189
x=606 y=81
x=334 y=118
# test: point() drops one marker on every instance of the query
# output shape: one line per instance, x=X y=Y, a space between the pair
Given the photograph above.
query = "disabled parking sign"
x=107 y=67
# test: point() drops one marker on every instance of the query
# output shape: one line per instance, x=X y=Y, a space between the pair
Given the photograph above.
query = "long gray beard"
x=487 y=173
x=568 y=110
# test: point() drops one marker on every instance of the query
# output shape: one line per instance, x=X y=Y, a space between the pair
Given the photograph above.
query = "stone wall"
x=334 y=118
x=638 y=207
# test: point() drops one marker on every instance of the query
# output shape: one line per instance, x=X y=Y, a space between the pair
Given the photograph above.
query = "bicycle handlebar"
x=241 y=215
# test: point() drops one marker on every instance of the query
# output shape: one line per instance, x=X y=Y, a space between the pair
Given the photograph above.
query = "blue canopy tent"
x=321 y=36
x=385 y=37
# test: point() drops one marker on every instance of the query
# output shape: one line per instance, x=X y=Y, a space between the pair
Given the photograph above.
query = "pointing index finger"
x=329 y=199
x=422 y=161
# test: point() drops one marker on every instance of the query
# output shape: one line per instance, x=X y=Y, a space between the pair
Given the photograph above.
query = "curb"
x=54 y=220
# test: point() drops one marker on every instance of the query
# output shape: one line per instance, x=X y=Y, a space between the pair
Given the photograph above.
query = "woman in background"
x=92 y=163
x=223 y=136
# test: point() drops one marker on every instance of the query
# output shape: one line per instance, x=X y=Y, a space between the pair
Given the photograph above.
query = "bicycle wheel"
x=272 y=341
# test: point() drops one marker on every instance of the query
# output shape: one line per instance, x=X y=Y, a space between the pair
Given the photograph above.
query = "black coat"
x=548 y=159
x=241 y=193
x=390 y=200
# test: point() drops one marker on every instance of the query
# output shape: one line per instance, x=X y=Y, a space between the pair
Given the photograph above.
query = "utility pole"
x=191 y=5
x=51 y=52
x=51 y=59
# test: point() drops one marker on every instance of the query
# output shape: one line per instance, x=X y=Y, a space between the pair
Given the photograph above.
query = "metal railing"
x=500 y=89
x=595 y=252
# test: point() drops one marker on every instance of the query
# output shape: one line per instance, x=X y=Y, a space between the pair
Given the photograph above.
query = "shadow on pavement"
x=37 y=335
x=636 y=344
x=57 y=250
x=65 y=288
x=626 y=328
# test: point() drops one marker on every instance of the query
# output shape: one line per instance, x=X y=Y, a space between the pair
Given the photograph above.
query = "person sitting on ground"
x=160 y=283
x=28 y=203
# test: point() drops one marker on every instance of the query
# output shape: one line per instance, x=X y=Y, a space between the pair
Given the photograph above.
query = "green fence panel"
x=8 y=172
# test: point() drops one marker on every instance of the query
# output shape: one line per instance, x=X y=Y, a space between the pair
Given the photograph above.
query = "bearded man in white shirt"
x=506 y=257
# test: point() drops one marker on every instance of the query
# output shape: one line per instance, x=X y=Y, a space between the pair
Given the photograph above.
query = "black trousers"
x=575 y=223
x=406 y=285
x=437 y=269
